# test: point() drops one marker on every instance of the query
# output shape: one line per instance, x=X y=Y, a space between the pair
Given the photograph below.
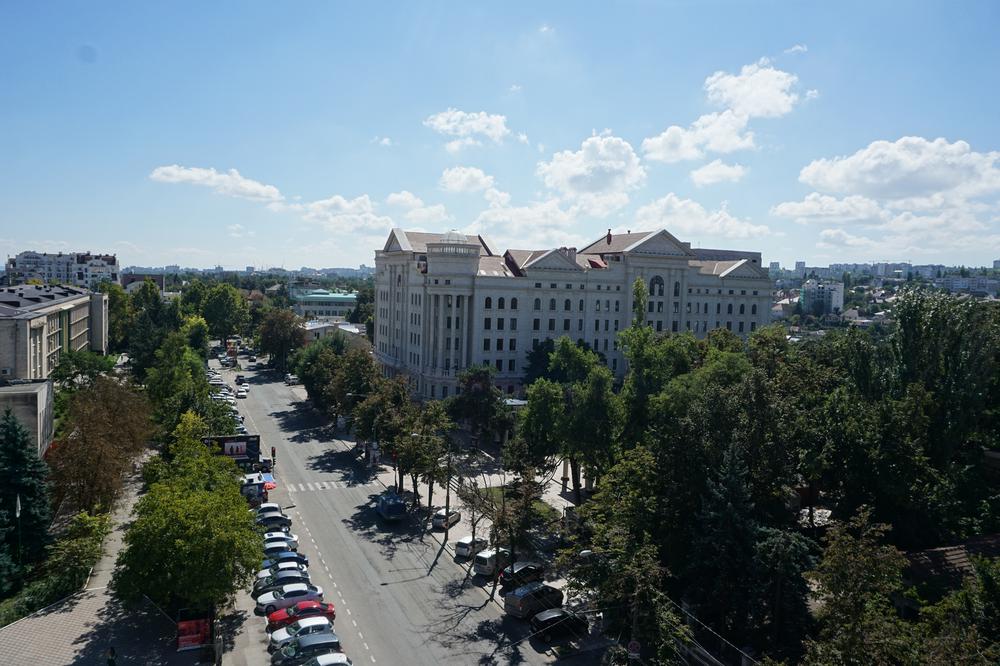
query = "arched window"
x=552 y=304
x=489 y=303
x=742 y=309
x=538 y=304
x=677 y=289
x=729 y=309
x=513 y=304
x=500 y=303
x=567 y=306
x=656 y=286
x=753 y=309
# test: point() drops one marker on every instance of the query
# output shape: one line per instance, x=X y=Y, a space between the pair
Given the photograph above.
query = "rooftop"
x=22 y=300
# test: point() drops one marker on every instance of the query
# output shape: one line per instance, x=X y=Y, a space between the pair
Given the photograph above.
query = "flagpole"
x=17 y=513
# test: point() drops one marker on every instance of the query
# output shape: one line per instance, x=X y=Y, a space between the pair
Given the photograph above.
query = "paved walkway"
x=79 y=629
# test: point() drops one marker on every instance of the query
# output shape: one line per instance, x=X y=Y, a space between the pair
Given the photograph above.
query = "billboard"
x=241 y=448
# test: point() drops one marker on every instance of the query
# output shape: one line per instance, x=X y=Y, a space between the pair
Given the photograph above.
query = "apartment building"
x=445 y=302
x=38 y=322
x=309 y=303
x=820 y=298
x=82 y=269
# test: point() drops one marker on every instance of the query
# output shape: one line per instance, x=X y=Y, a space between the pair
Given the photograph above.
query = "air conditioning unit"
x=6 y=372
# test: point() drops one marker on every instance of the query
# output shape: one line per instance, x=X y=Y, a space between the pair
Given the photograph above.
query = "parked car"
x=466 y=547
x=301 y=649
x=286 y=536
x=240 y=379
x=331 y=659
x=316 y=624
x=274 y=520
x=285 y=556
x=488 y=562
x=289 y=595
x=291 y=379
x=253 y=359
x=278 y=581
x=442 y=519
x=532 y=598
x=241 y=394
x=557 y=622
x=280 y=545
x=280 y=618
x=281 y=566
x=390 y=506
x=521 y=573
x=268 y=507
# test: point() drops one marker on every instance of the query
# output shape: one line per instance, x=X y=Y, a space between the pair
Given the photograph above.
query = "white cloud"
x=230 y=183
x=546 y=29
x=523 y=138
x=465 y=179
x=338 y=214
x=465 y=125
x=382 y=141
x=496 y=198
x=759 y=90
x=717 y=171
x=514 y=88
x=926 y=173
x=839 y=238
x=719 y=132
x=416 y=210
x=540 y=224
x=690 y=218
x=597 y=178
x=812 y=93
x=457 y=145
x=825 y=209
x=798 y=48
x=239 y=231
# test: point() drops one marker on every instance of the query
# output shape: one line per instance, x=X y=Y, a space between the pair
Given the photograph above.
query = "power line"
x=712 y=631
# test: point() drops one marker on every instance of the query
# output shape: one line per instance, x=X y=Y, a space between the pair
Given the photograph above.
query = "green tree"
x=80 y=368
x=480 y=403
x=226 y=311
x=594 y=420
x=541 y=425
x=571 y=362
x=281 y=332
x=22 y=475
x=193 y=298
x=195 y=330
x=120 y=315
x=355 y=377
x=537 y=362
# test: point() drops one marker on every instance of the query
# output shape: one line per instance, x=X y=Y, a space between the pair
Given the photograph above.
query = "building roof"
x=416 y=241
x=619 y=242
x=947 y=566
x=23 y=300
x=494 y=267
x=22 y=386
x=313 y=294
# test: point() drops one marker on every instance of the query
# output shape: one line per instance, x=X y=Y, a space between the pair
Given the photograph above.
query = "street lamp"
x=447 y=485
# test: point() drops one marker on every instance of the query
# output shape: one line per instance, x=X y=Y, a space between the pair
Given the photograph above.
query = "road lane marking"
x=310 y=486
x=354 y=622
x=360 y=635
x=349 y=611
x=366 y=646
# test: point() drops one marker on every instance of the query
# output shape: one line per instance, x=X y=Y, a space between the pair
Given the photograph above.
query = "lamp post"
x=447 y=485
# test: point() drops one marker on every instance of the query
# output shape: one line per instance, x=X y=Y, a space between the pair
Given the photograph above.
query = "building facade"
x=82 y=269
x=310 y=303
x=32 y=404
x=38 y=323
x=822 y=297
x=445 y=302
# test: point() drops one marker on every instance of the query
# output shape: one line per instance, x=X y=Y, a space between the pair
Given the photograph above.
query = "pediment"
x=552 y=260
x=662 y=244
x=744 y=269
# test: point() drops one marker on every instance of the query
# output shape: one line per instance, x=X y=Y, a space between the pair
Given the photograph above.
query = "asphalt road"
x=401 y=599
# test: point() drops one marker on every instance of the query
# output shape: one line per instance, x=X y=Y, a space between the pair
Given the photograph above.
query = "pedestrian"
x=112 y=656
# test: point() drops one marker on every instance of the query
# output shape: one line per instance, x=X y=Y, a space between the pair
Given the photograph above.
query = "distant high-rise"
x=996 y=264
x=82 y=269
x=775 y=266
x=800 y=269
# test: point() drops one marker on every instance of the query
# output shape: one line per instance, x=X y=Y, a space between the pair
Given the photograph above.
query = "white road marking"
x=310 y=486
x=367 y=648
x=360 y=635
x=355 y=626
x=349 y=611
x=371 y=657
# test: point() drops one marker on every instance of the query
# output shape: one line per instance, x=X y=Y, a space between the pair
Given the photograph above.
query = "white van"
x=489 y=562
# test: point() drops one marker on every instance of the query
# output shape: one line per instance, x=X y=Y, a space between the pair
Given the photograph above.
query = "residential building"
x=996 y=264
x=311 y=303
x=800 y=269
x=445 y=302
x=822 y=297
x=31 y=402
x=38 y=322
x=132 y=281
x=354 y=334
x=82 y=269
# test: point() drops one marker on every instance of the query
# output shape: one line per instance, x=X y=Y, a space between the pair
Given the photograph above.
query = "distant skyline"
x=297 y=135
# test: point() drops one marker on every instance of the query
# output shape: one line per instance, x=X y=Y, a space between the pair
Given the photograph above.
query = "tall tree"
x=120 y=315
x=80 y=368
x=281 y=332
x=22 y=475
x=594 y=424
x=541 y=424
x=480 y=403
x=226 y=311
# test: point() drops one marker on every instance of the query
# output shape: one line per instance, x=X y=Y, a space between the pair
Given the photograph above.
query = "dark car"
x=284 y=556
x=306 y=647
x=274 y=519
x=278 y=580
x=532 y=598
x=559 y=622
x=521 y=573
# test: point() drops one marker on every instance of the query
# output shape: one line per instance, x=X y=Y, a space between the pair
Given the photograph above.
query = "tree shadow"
x=344 y=462
x=140 y=634
x=303 y=422
x=389 y=535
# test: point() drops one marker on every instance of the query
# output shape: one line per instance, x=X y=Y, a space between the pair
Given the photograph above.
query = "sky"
x=297 y=134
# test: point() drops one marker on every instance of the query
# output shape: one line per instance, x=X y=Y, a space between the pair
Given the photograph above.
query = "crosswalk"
x=322 y=485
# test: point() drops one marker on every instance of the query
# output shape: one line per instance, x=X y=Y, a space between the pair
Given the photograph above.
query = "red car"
x=286 y=616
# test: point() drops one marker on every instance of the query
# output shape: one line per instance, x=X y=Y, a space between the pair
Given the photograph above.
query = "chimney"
x=608 y=237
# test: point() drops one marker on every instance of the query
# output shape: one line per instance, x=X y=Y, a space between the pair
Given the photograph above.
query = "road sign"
x=633 y=649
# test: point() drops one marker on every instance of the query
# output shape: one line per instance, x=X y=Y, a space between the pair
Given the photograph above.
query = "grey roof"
x=619 y=243
x=416 y=241
x=20 y=301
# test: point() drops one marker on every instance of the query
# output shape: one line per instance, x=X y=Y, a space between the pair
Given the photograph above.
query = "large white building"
x=822 y=297
x=445 y=302
x=82 y=269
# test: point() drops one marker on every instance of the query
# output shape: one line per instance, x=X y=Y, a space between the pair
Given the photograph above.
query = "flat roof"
x=21 y=301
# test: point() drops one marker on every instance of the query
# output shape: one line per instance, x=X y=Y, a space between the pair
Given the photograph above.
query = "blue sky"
x=278 y=134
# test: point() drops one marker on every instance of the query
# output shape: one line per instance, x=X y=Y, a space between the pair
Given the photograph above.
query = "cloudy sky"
x=270 y=134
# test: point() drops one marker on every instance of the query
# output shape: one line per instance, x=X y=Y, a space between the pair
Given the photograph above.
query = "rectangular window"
x=565 y=324
x=447 y=344
x=512 y=344
x=579 y=324
x=535 y=325
x=614 y=364
x=650 y=308
x=538 y=285
x=659 y=326
x=552 y=324
x=605 y=344
x=499 y=364
x=534 y=343
x=487 y=323
x=486 y=344
x=499 y=344
x=741 y=327
x=500 y=323
x=659 y=306
x=673 y=327
x=513 y=324
x=616 y=324
x=597 y=324
x=618 y=306
x=677 y=307
x=511 y=365
x=606 y=323
x=597 y=305
x=444 y=391
x=753 y=326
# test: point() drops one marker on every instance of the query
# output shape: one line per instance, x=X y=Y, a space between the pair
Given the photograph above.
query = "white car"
x=273 y=536
x=268 y=507
x=281 y=566
x=289 y=595
x=442 y=519
x=284 y=544
x=241 y=393
x=304 y=627
x=466 y=547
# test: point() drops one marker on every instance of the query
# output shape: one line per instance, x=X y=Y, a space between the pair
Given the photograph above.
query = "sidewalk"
x=80 y=628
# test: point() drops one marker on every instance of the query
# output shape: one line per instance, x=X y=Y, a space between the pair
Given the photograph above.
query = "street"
x=400 y=596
